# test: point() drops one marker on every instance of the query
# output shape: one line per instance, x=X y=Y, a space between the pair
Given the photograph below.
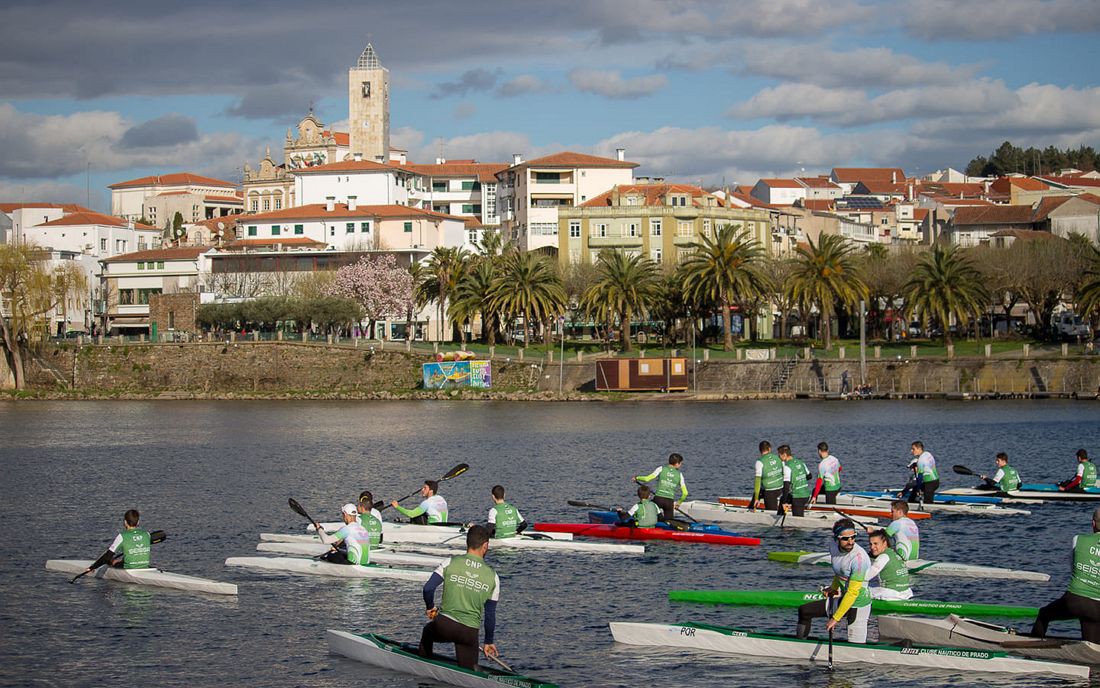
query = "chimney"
x=517 y=158
x=620 y=154
x=351 y=202
x=440 y=161
x=330 y=203
x=357 y=156
x=894 y=177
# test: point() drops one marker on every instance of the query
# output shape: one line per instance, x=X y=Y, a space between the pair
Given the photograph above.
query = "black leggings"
x=444 y=629
x=771 y=498
x=830 y=497
x=928 y=492
x=1071 y=606
x=336 y=556
x=668 y=507
x=816 y=610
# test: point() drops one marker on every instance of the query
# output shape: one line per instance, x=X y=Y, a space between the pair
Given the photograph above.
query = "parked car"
x=1069 y=325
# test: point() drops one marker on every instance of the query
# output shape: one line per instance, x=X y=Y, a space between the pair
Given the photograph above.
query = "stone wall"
x=173 y=312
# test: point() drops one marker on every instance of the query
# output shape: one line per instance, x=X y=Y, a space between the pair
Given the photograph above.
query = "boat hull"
x=822 y=508
x=952 y=509
x=381 y=556
x=606 y=530
x=1025 y=496
x=795 y=598
x=722 y=513
x=520 y=542
x=149 y=577
x=310 y=567
x=613 y=518
x=923 y=567
x=412 y=532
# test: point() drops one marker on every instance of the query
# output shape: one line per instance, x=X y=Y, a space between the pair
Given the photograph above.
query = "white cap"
x=349 y=509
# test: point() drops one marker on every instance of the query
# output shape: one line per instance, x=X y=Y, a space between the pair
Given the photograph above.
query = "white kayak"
x=413 y=532
x=962 y=632
x=946 y=509
x=923 y=567
x=525 y=542
x=311 y=567
x=377 y=556
x=1023 y=496
x=724 y=513
x=152 y=577
x=718 y=639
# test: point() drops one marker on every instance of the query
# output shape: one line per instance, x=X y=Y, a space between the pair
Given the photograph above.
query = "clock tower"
x=369 y=107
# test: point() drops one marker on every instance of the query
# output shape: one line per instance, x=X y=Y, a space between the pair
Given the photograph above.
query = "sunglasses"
x=845 y=538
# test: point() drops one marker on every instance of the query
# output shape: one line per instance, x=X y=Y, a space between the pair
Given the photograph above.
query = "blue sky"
x=693 y=89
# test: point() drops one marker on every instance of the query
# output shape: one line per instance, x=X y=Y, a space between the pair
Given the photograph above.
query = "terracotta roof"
x=343 y=138
x=174 y=179
x=1004 y=184
x=317 y=211
x=860 y=174
x=742 y=189
x=993 y=215
x=818 y=204
x=348 y=166
x=180 y=253
x=959 y=189
x=212 y=223
x=273 y=241
x=952 y=201
x=92 y=218
x=879 y=187
x=753 y=201
x=473 y=222
x=781 y=183
x=1066 y=180
x=223 y=199
x=654 y=194
x=485 y=172
x=817 y=182
x=571 y=159
x=67 y=207
x=1048 y=204
x=919 y=214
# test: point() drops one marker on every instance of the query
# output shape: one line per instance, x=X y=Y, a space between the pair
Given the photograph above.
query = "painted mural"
x=452 y=374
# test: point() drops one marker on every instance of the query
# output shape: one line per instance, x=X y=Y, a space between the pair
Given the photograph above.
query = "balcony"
x=610 y=241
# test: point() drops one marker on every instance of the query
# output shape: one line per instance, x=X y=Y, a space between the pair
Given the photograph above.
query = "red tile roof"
x=958 y=189
x=223 y=199
x=993 y=215
x=1066 y=180
x=880 y=187
x=212 y=223
x=174 y=179
x=317 y=211
x=348 y=166
x=571 y=159
x=781 y=183
x=67 y=207
x=919 y=214
x=952 y=201
x=654 y=194
x=1004 y=184
x=817 y=182
x=92 y=218
x=485 y=172
x=818 y=204
x=179 y=253
x=343 y=138
x=873 y=174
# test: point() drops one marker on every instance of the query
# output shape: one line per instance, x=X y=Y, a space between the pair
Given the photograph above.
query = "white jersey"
x=828 y=470
x=436 y=508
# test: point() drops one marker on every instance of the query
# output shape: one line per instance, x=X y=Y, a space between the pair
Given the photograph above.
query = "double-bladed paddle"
x=155 y=537
x=453 y=473
x=678 y=525
x=297 y=508
x=856 y=521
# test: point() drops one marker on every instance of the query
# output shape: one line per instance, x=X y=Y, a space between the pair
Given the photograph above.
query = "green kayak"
x=794 y=598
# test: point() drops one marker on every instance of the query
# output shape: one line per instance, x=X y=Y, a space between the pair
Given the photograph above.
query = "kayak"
x=963 y=632
x=942 y=497
x=311 y=567
x=1053 y=487
x=151 y=577
x=379 y=556
x=525 y=542
x=412 y=532
x=948 y=509
x=924 y=567
x=722 y=513
x=795 y=598
x=883 y=512
x=607 y=530
x=613 y=518
x=380 y=651
x=704 y=637
x=1024 y=496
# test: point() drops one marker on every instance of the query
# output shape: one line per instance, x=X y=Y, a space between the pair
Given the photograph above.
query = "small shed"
x=642 y=375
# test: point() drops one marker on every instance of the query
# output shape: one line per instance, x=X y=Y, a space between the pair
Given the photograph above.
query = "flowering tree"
x=378 y=285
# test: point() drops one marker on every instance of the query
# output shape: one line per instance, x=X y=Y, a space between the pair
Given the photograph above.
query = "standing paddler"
x=850 y=568
x=505 y=521
x=130 y=549
x=470 y=593
x=352 y=538
x=1086 y=475
x=889 y=574
x=768 y=480
x=370 y=518
x=433 y=508
x=926 y=479
x=796 y=482
x=828 y=475
x=1082 y=600
x=1006 y=479
x=669 y=480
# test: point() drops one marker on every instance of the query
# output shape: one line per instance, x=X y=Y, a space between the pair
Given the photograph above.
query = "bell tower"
x=369 y=107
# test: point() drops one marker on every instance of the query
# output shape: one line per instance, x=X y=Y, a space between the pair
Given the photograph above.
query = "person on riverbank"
x=796 y=482
x=828 y=475
x=370 y=518
x=1081 y=600
x=768 y=478
x=848 y=590
x=1086 y=475
x=130 y=549
x=926 y=477
x=669 y=479
x=644 y=514
x=471 y=590
x=504 y=519
x=350 y=544
x=888 y=574
x=433 y=508
x=1006 y=478
x=903 y=532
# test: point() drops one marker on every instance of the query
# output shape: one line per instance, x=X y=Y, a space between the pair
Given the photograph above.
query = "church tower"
x=369 y=107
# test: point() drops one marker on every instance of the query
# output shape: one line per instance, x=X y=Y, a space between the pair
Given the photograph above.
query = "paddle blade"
x=785 y=557
x=298 y=509
x=157 y=536
x=962 y=470
x=379 y=505
x=455 y=472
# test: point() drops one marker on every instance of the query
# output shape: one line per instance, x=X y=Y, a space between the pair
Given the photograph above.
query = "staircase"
x=783 y=375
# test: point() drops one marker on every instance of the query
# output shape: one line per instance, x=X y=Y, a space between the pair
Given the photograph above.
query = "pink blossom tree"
x=378 y=285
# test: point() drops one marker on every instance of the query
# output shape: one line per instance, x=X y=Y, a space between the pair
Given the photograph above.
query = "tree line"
x=1008 y=159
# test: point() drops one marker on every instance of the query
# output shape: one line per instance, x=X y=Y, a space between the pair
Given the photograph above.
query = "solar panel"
x=862 y=202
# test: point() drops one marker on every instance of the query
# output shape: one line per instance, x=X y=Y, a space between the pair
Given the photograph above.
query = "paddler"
x=370 y=518
x=433 y=509
x=903 y=531
x=669 y=479
x=796 y=482
x=130 y=548
x=505 y=520
x=853 y=602
x=470 y=593
x=889 y=574
x=1086 y=474
x=828 y=475
x=925 y=474
x=768 y=480
x=641 y=515
x=1006 y=479
x=353 y=540
x=1082 y=600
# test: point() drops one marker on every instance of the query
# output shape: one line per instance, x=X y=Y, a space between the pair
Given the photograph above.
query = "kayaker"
x=768 y=480
x=351 y=544
x=903 y=531
x=925 y=473
x=850 y=567
x=1006 y=478
x=370 y=518
x=130 y=548
x=470 y=593
x=433 y=509
x=505 y=520
x=828 y=475
x=641 y=515
x=796 y=482
x=1082 y=600
x=1086 y=474
x=889 y=575
x=669 y=478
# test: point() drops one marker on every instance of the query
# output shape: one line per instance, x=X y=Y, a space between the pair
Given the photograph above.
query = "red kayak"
x=604 y=530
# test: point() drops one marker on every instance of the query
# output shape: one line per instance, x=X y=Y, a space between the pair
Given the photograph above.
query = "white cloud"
x=48 y=191
x=793 y=101
x=862 y=68
x=520 y=85
x=978 y=19
x=611 y=83
x=490 y=146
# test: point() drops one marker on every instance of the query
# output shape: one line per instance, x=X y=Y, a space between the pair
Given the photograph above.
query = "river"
x=215 y=474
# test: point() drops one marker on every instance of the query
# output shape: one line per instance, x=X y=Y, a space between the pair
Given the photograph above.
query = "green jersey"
x=506 y=519
x=1007 y=479
x=668 y=482
x=372 y=521
x=1088 y=474
x=800 y=487
x=645 y=514
x=769 y=468
x=1085 y=577
x=894 y=574
x=134 y=545
x=468 y=583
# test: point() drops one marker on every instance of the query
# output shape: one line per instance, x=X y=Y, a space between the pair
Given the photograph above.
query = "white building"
x=158 y=197
x=371 y=183
x=130 y=279
x=779 y=191
x=15 y=217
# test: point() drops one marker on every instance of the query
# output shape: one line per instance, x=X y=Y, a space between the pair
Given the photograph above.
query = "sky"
x=696 y=91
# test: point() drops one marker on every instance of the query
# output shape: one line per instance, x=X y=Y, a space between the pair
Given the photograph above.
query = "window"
x=364 y=227
x=544 y=229
x=885 y=221
x=655 y=254
x=276 y=230
x=632 y=229
x=633 y=200
x=439 y=186
x=160 y=265
x=349 y=228
x=599 y=229
x=474 y=208
x=267 y=204
x=471 y=186
x=141 y=265
x=683 y=228
x=655 y=228
x=255 y=205
x=574 y=229
x=706 y=227
x=547 y=178
x=408 y=226
x=278 y=203
x=251 y=230
x=684 y=253
x=299 y=229
x=332 y=230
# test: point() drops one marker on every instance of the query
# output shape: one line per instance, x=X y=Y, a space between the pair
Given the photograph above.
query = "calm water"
x=215 y=474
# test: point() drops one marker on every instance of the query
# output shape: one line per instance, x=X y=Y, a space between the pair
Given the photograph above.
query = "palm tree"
x=527 y=285
x=474 y=294
x=945 y=283
x=725 y=269
x=1088 y=294
x=625 y=285
x=825 y=273
x=443 y=271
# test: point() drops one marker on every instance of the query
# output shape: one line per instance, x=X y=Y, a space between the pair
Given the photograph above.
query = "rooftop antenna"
x=88 y=184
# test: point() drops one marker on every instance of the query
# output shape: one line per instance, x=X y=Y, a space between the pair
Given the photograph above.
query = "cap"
x=349 y=509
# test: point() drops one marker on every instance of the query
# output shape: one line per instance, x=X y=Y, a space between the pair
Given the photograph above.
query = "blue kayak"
x=710 y=528
x=1051 y=487
x=941 y=497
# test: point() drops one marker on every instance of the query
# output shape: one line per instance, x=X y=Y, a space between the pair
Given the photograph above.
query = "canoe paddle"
x=499 y=661
x=453 y=473
x=677 y=525
x=302 y=512
x=859 y=523
x=155 y=537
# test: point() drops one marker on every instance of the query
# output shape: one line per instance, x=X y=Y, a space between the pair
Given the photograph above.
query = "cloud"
x=794 y=101
x=274 y=102
x=470 y=81
x=938 y=20
x=521 y=85
x=862 y=68
x=490 y=146
x=166 y=130
x=40 y=191
x=611 y=84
